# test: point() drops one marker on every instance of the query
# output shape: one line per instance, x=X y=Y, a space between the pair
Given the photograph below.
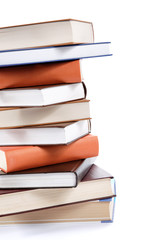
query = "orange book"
x=20 y=158
x=40 y=74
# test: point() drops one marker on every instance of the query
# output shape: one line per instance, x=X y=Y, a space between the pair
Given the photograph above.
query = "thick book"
x=60 y=133
x=99 y=185
x=54 y=54
x=40 y=74
x=19 y=158
x=34 y=116
x=61 y=32
x=42 y=96
x=67 y=174
x=90 y=211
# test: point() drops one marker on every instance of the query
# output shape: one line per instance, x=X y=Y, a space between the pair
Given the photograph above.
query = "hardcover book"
x=67 y=174
x=62 y=32
x=42 y=96
x=40 y=74
x=60 y=133
x=90 y=211
x=19 y=158
x=95 y=186
x=34 y=116
x=54 y=54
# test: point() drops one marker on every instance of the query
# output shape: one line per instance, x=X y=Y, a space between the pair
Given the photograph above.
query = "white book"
x=41 y=96
x=62 y=32
x=67 y=174
x=54 y=54
x=63 y=133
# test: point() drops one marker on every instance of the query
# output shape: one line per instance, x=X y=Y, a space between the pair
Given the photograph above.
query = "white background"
x=125 y=106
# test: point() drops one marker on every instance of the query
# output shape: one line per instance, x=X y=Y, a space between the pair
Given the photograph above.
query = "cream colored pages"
x=45 y=34
x=44 y=115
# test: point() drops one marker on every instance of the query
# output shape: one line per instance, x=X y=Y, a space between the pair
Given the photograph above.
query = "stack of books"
x=47 y=153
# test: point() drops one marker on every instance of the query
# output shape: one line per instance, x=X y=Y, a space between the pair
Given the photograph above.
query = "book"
x=42 y=96
x=60 y=133
x=67 y=174
x=61 y=32
x=40 y=74
x=90 y=211
x=19 y=158
x=34 y=116
x=97 y=186
x=54 y=54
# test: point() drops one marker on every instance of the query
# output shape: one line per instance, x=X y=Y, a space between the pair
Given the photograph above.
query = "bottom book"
x=100 y=210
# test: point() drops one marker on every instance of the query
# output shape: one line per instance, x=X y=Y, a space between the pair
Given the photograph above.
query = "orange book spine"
x=21 y=158
x=40 y=74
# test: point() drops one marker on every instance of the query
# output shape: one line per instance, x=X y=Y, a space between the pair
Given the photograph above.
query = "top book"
x=53 y=33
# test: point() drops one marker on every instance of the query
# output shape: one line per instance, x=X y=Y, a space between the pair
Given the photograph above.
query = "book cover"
x=40 y=74
x=25 y=157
